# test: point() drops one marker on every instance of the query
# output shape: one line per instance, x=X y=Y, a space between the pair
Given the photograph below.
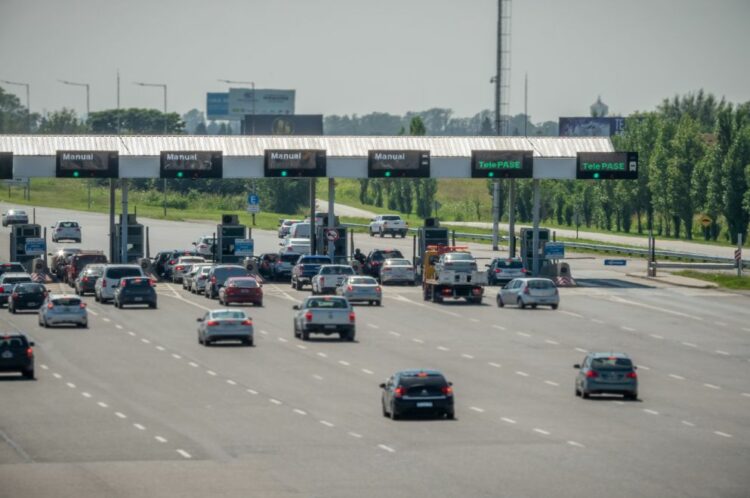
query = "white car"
x=529 y=292
x=392 y=224
x=397 y=271
x=329 y=277
x=285 y=226
x=66 y=230
x=204 y=244
x=296 y=246
x=15 y=217
x=104 y=289
x=184 y=265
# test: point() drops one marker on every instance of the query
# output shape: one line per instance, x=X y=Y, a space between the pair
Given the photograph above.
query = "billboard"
x=243 y=101
x=591 y=127
x=298 y=124
x=217 y=105
x=87 y=164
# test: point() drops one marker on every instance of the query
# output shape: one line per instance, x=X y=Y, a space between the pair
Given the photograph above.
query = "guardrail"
x=633 y=251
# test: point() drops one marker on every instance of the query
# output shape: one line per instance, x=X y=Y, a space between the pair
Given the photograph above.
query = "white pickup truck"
x=324 y=315
x=392 y=224
x=329 y=277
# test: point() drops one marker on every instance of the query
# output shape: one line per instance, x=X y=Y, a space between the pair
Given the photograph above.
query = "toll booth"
x=227 y=233
x=136 y=241
x=527 y=246
x=431 y=234
x=27 y=244
x=340 y=242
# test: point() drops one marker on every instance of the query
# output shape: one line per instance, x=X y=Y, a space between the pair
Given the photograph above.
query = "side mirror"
x=635 y=367
x=576 y=366
x=450 y=383
x=486 y=266
x=382 y=385
x=195 y=243
x=295 y=307
x=199 y=319
x=31 y=343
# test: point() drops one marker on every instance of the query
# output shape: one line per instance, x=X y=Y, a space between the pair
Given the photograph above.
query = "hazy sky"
x=357 y=56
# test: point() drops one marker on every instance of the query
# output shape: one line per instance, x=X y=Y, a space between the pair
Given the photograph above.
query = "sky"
x=357 y=56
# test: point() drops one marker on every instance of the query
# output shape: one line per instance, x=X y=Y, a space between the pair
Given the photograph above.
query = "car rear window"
x=225 y=273
x=380 y=255
x=541 y=284
x=245 y=283
x=290 y=258
x=363 y=281
x=16 y=280
x=12 y=267
x=416 y=381
x=94 y=272
x=68 y=224
x=86 y=259
x=509 y=264
x=119 y=272
x=28 y=288
x=192 y=260
x=229 y=315
x=66 y=301
x=392 y=218
x=459 y=256
x=398 y=262
x=315 y=261
x=13 y=343
x=327 y=303
x=611 y=363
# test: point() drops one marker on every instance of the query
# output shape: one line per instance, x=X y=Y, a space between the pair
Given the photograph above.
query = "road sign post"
x=253 y=205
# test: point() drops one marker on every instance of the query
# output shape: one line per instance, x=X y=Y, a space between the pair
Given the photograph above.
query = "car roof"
x=601 y=354
x=414 y=372
x=122 y=265
x=62 y=296
x=12 y=334
x=228 y=309
x=15 y=274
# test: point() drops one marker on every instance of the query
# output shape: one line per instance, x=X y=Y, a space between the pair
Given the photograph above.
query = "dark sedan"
x=26 y=296
x=86 y=280
x=16 y=354
x=417 y=392
x=135 y=290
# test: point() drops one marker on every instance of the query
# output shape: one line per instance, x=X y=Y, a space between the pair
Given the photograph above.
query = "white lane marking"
x=596 y=320
x=193 y=364
x=493 y=364
x=139 y=427
x=160 y=439
x=655 y=308
x=354 y=434
x=274 y=401
x=118 y=326
x=231 y=382
x=373 y=326
x=106 y=319
x=522 y=374
x=722 y=434
x=85 y=394
x=121 y=415
x=176 y=356
x=57 y=375
x=345 y=363
x=323 y=355
x=551 y=383
x=386 y=448
x=719 y=351
x=542 y=431
x=93 y=312
x=508 y=420
x=443 y=348
x=368 y=372
x=103 y=404
x=299 y=412
x=550 y=341
x=160 y=348
x=301 y=346
x=576 y=444
x=652 y=412
x=476 y=409
x=747 y=395
x=467 y=356
x=394 y=333
x=678 y=377
x=657 y=336
x=475 y=320
x=211 y=372
x=499 y=327
x=282 y=339
x=418 y=341
x=570 y=313
x=643 y=367
x=689 y=344
x=131 y=333
x=689 y=424
x=721 y=324
x=711 y=386
x=252 y=391
x=629 y=329
x=44 y=367
x=746 y=329
x=326 y=423
x=264 y=332
x=145 y=341
x=523 y=334
x=619 y=402
x=317 y=377
x=70 y=385
x=581 y=350
x=184 y=453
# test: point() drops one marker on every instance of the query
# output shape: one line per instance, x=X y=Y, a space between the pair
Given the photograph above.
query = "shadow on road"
x=610 y=283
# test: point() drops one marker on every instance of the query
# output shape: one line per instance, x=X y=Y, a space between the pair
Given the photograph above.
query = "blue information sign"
x=615 y=262
x=34 y=247
x=244 y=247
x=554 y=250
x=253 y=199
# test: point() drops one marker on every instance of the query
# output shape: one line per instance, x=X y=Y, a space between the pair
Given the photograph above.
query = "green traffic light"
x=387 y=174
x=491 y=174
x=596 y=176
x=179 y=174
x=283 y=173
x=76 y=174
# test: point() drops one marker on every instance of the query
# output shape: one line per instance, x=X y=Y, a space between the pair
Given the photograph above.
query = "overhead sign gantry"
x=295 y=164
x=398 y=164
x=191 y=164
x=87 y=164
x=502 y=164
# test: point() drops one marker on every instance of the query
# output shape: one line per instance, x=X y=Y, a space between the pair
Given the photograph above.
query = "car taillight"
x=591 y=374
x=85 y=279
x=375 y=263
x=526 y=291
x=2 y=289
x=448 y=390
x=386 y=269
x=378 y=289
x=352 y=316
x=15 y=295
x=152 y=282
x=399 y=391
x=202 y=277
x=123 y=283
x=477 y=291
x=632 y=375
x=104 y=282
x=349 y=288
x=179 y=268
x=212 y=323
x=308 y=316
x=524 y=270
x=213 y=279
x=29 y=352
x=172 y=261
x=247 y=322
x=82 y=305
x=50 y=306
x=447 y=292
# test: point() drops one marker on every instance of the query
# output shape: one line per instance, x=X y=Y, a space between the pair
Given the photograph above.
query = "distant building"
x=599 y=109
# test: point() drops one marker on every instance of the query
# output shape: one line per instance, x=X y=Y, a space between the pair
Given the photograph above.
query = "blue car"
x=607 y=373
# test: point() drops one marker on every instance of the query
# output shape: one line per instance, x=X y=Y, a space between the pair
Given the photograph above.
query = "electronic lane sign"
x=607 y=166
x=191 y=164
x=6 y=165
x=398 y=164
x=502 y=164
x=87 y=164
x=294 y=164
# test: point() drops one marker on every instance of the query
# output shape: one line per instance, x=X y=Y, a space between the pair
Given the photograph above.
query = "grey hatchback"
x=607 y=373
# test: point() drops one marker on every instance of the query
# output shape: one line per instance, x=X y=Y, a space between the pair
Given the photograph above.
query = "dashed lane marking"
x=712 y=386
x=467 y=356
x=643 y=367
x=231 y=382
x=85 y=394
x=550 y=341
x=345 y=363
x=476 y=409
x=368 y=372
x=160 y=439
x=118 y=326
x=508 y=420
x=570 y=313
x=354 y=434
x=628 y=329
x=386 y=448
x=657 y=336
x=131 y=333
x=176 y=356
x=373 y=326
x=274 y=401
x=493 y=364
x=70 y=385
x=499 y=327
x=689 y=424
x=724 y=353
x=522 y=374
x=184 y=453
x=722 y=434
x=747 y=395
x=326 y=423
x=57 y=375
x=103 y=404
x=160 y=348
x=264 y=332
x=121 y=415
x=689 y=344
x=299 y=412
x=211 y=372
x=394 y=333
x=282 y=339
x=721 y=324
x=44 y=367
x=93 y=312
x=106 y=319
x=652 y=412
x=523 y=334
x=581 y=350
x=475 y=320
x=551 y=383
x=139 y=427
x=252 y=391
x=317 y=377
x=542 y=431
x=596 y=320
x=576 y=444
x=193 y=364
x=322 y=355
x=418 y=341
x=145 y=341
x=678 y=377
x=618 y=299
x=301 y=346
x=443 y=348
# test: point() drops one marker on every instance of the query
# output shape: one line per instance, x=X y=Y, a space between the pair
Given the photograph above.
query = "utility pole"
x=86 y=85
x=498 y=121
x=28 y=99
x=163 y=86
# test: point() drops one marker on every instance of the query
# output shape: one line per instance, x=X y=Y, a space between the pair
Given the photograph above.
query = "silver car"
x=59 y=309
x=183 y=266
x=66 y=230
x=361 y=289
x=225 y=325
x=503 y=270
x=397 y=271
x=607 y=373
x=529 y=292
x=197 y=283
x=197 y=270
x=15 y=217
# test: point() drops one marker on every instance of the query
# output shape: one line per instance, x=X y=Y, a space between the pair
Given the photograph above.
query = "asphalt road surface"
x=134 y=406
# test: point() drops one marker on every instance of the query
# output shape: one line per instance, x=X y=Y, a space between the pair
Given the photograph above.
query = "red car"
x=241 y=290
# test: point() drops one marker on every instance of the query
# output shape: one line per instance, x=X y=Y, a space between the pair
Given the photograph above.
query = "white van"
x=104 y=289
x=299 y=231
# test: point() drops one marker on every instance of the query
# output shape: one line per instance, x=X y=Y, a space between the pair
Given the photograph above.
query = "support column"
x=512 y=219
x=124 y=222
x=331 y=215
x=112 y=248
x=313 y=247
x=495 y=213
x=535 y=239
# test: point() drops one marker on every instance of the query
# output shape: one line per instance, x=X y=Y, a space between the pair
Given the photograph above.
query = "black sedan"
x=26 y=296
x=417 y=392
x=86 y=280
x=135 y=290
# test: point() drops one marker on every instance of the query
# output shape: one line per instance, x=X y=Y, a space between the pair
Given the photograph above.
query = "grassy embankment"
x=721 y=279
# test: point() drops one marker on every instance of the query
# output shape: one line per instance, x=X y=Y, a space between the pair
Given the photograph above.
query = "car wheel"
x=259 y=303
x=350 y=336
x=372 y=234
x=578 y=393
x=296 y=331
x=96 y=297
x=305 y=335
x=450 y=415
x=403 y=235
x=378 y=303
x=584 y=394
x=631 y=396
x=533 y=306
x=394 y=415
x=554 y=306
x=206 y=342
x=12 y=310
x=29 y=374
x=381 y=233
x=521 y=304
x=382 y=406
x=500 y=302
x=152 y=306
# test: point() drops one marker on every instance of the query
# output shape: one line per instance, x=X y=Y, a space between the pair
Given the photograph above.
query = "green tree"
x=14 y=118
x=286 y=196
x=736 y=184
x=687 y=149
x=135 y=122
x=63 y=122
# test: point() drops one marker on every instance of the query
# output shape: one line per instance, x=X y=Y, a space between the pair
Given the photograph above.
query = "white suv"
x=388 y=223
x=104 y=289
x=66 y=230
x=15 y=217
x=203 y=245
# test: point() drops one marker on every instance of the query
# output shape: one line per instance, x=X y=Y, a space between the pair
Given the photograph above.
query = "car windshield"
x=289 y=258
x=398 y=262
x=327 y=303
x=611 y=363
x=66 y=301
x=504 y=263
x=27 y=288
x=122 y=272
x=245 y=283
x=362 y=281
x=541 y=284
x=228 y=315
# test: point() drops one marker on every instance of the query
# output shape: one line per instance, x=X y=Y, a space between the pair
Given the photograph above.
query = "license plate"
x=330 y=327
x=31 y=304
x=424 y=404
x=137 y=299
x=7 y=354
x=244 y=291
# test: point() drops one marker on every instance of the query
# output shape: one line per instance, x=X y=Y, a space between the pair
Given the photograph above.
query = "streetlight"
x=164 y=87
x=252 y=86
x=28 y=106
x=88 y=101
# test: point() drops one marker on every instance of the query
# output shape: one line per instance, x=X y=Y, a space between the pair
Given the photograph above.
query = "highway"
x=134 y=406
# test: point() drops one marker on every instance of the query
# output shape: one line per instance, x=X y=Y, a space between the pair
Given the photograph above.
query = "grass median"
x=721 y=279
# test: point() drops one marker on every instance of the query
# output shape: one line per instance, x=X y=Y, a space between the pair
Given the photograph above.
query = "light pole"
x=164 y=87
x=88 y=101
x=28 y=105
x=252 y=86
